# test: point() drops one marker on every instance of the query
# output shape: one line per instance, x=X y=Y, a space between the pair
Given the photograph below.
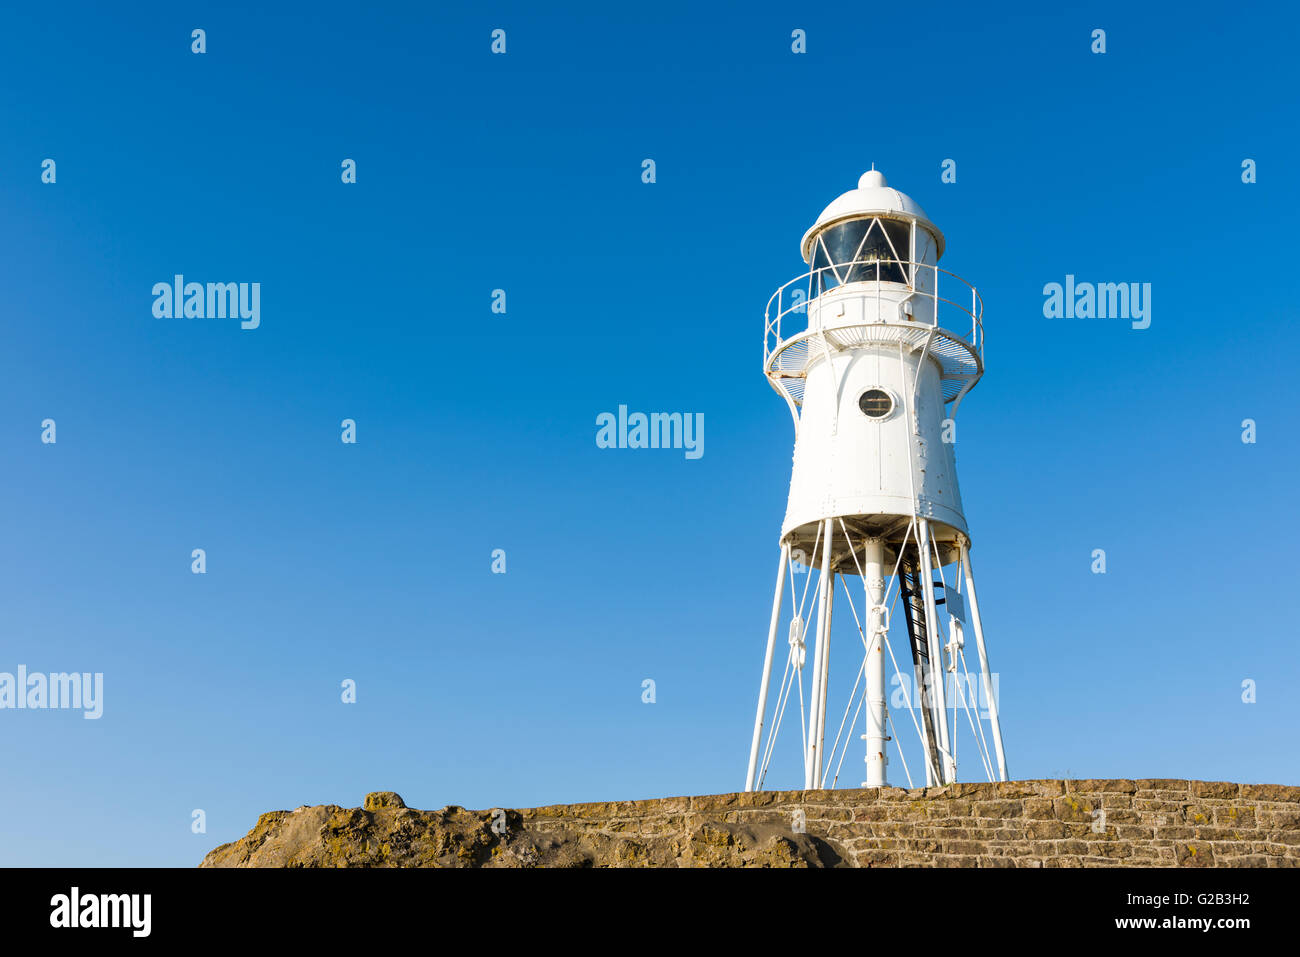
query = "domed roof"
x=873 y=195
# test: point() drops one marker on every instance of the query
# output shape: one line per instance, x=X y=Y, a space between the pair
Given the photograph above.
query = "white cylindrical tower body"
x=848 y=462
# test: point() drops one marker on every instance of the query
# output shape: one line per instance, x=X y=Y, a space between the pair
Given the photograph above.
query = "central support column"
x=874 y=575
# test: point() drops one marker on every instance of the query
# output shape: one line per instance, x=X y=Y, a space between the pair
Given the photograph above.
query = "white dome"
x=871 y=196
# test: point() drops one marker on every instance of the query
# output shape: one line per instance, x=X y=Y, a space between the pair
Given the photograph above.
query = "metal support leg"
x=938 y=674
x=826 y=668
x=767 y=666
x=984 y=660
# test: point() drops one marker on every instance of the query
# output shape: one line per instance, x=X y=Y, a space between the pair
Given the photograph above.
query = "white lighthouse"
x=873 y=350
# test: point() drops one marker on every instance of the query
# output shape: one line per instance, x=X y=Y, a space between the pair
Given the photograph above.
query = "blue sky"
x=476 y=431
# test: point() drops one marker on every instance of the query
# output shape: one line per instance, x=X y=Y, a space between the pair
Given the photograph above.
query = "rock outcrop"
x=1013 y=824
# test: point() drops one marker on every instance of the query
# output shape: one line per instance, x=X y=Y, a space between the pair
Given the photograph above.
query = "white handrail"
x=815 y=282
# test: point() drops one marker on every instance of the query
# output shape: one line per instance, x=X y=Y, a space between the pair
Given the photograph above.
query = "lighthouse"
x=873 y=350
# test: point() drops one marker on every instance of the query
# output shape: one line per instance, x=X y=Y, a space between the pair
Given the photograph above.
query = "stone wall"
x=1013 y=824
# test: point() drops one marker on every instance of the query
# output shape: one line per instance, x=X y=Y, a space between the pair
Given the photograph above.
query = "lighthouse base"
x=893 y=530
x=928 y=567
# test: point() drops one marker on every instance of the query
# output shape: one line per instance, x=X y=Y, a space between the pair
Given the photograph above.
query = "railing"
x=786 y=316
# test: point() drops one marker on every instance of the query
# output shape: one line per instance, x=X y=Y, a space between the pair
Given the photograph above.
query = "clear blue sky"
x=476 y=431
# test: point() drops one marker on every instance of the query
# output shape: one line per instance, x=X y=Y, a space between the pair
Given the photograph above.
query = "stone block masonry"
x=1093 y=823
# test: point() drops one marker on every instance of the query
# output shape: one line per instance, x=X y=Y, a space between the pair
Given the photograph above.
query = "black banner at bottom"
x=336 y=906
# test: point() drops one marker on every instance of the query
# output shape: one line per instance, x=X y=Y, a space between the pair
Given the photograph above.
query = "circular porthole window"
x=876 y=403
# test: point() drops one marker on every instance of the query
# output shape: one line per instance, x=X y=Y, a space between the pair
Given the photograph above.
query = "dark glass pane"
x=823 y=277
x=845 y=244
x=900 y=234
x=842 y=242
x=878 y=250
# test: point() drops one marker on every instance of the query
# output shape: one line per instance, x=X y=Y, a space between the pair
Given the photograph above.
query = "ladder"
x=909 y=585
